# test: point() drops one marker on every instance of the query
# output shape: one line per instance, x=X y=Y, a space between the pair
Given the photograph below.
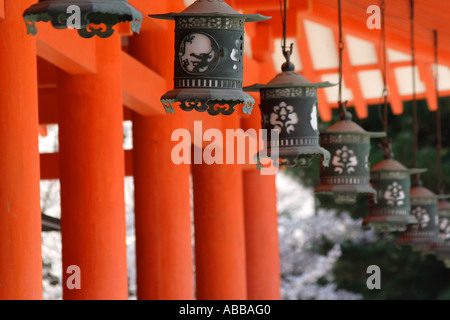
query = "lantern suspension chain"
x=344 y=114
x=341 y=49
x=288 y=66
x=386 y=145
x=414 y=102
x=438 y=117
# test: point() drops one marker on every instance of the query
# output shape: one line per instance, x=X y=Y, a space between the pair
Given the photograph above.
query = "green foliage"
x=404 y=274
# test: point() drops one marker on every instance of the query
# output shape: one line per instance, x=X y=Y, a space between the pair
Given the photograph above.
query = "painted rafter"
x=427 y=76
x=352 y=81
x=308 y=69
x=355 y=24
x=394 y=98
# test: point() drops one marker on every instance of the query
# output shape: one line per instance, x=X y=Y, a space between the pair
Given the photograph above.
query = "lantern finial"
x=344 y=114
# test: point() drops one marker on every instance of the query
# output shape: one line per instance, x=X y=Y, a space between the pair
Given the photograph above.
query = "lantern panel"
x=442 y=248
x=289 y=106
x=293 y=113
x=424 y=207
x=209 y=59
x=349 y=172
x=391 y=209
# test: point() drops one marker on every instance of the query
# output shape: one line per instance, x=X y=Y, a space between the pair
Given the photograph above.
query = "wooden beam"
x=262 y=47
x=48 y=106
x=2 y=9
x=427 y=76
x=354 y=15
x=352 y=81
x=65 y=49
x=252 y=5
x=142 y=87
x=365 y=67
x=157 y=7
x=50 y=165
x=308 y=69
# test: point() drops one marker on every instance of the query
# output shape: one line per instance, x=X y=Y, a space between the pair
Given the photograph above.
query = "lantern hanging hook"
x=344 y=113
x=287 y=52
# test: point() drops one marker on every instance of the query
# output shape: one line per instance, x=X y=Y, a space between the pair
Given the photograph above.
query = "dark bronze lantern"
x=424 y=207
x=209 y=52
x=349 y=172
x=390 y=210
x=289 y=105
x=104 y=14
x=442 y=247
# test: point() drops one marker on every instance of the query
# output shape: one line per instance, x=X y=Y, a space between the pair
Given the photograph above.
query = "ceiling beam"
x=66 y=49
x=355 y=24
x=48 y=106
x=142 y=87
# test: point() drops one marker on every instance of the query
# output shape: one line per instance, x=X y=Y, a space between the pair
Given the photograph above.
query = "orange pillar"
x=261 y=236
x=162 y=189
x=261 y=228
x=92 y=177
x=20 y=216
x=219 y=228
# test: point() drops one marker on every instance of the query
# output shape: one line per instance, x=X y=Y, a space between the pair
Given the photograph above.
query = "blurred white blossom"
x=301 y=229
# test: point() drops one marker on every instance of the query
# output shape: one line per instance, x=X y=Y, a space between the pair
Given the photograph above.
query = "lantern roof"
x=394 y=165
x=444 y=206
x=210 y=8
x=288 y=79
x=421 y=192
x=348 y=126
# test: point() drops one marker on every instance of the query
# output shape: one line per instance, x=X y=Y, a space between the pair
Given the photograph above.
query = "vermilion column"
x=92 y=177
x=20 y=217
x=219 y=228
x=261 y=236
x=261 y=228
x=162 y=189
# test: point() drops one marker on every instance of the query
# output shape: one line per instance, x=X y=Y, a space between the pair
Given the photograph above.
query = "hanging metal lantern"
x=289 y=105
x=390 y=210
x=209 y=52
x=96 y=17
x=424 y=207
x=442 y=247
x=349 y=172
